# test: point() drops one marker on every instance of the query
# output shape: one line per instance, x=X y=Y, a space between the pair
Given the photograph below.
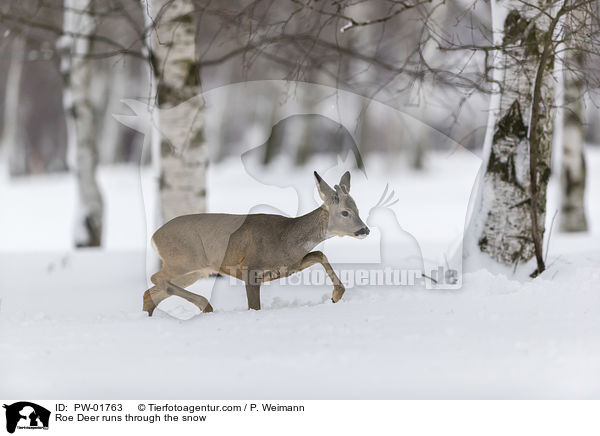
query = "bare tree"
x=308 y=40
x=79 y=23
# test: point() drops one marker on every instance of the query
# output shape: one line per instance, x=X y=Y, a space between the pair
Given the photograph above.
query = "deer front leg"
x=253 y=294
x=253 y=280
x=318 y=257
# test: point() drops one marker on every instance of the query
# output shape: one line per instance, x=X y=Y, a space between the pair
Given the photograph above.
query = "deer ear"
x=325 y=192
x=345 y=182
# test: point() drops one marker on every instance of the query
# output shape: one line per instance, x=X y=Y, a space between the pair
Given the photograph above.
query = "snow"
x=71 y=324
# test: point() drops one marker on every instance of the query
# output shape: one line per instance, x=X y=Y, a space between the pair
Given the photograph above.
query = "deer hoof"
x=148 y=305
x=338 y=291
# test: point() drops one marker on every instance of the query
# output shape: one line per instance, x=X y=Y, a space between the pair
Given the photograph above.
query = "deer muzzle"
x=362 y=233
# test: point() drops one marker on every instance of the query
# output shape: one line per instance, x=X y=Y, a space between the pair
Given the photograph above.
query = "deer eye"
x=344 y=213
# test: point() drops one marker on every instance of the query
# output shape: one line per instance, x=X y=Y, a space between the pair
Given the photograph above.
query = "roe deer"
x=253 y=248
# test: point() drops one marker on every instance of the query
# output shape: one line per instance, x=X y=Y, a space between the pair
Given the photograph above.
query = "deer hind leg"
x=157 y=293
x=201 y=302
x=168 y=284
x=153 y=297
x=318 y=257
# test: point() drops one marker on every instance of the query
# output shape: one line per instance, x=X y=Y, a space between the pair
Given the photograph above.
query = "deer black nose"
x=363 y=231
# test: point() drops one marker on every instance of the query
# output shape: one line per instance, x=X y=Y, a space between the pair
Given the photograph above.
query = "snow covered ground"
x=71 y=324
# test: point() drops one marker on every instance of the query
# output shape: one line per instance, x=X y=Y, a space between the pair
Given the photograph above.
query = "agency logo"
x=26 y=415
x=302 y=129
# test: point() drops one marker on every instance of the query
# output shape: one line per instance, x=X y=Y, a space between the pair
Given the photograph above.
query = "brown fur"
x=253 y=248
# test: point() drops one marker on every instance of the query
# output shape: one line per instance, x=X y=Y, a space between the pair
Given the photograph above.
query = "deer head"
x=344 y=219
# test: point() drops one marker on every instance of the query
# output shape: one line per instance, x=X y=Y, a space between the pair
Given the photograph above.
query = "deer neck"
x=314 y=224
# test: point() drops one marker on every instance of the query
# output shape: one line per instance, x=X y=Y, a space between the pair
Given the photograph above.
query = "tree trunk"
x=422 y=94
x=272 y=146
x=114 y=85
x=573 y=173
x=183 y=156
x=76 y=44
x=361 y=76
x=13 y=138
x=299 y=130
x=502 y=221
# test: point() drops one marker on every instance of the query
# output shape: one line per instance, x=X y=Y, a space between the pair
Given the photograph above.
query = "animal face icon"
x=26 y=414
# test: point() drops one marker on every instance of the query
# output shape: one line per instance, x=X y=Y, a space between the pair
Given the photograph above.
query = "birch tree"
x=573 y=172
x=507 y=222
x=77 y=68
x=180 y=152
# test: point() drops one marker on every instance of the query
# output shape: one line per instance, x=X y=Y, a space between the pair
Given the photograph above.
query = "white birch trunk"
x=500 y=224
x=13 y=138
x=573 y=172
x=78 y=26
x=183 y=155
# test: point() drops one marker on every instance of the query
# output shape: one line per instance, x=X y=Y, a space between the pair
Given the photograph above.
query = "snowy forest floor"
x=71 y=324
